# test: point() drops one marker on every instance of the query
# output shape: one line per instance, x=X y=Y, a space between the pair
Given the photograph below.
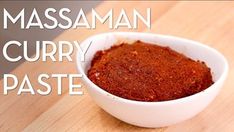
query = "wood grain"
x=211 y=23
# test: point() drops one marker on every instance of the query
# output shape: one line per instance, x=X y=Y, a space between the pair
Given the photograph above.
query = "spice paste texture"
x=147 y=72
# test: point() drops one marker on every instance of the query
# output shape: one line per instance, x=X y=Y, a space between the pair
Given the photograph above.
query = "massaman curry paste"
x=147 y=72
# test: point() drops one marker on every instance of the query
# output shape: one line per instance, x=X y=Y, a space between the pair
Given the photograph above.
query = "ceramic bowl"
x=154 y=114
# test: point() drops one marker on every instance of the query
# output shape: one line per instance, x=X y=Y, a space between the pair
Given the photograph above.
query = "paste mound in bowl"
x=148 y=72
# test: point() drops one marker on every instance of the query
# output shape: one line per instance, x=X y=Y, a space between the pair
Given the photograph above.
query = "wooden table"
x=211 y=23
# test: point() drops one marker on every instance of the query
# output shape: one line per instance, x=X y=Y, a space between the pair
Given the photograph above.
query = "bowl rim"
x=167 y=102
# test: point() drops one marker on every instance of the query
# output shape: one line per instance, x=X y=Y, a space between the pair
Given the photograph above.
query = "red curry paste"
x=147 y=72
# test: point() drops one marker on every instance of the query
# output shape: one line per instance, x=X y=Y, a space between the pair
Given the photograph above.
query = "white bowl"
x=154 y=114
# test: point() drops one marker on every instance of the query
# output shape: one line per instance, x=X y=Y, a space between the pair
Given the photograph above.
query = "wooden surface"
x=211 y=23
